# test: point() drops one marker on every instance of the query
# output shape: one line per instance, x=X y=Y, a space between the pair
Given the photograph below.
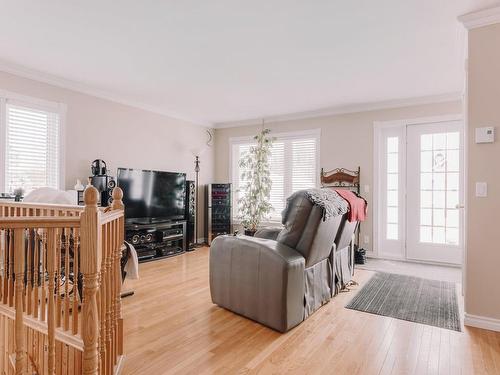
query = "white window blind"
x=304 y=173
x=278 y=177
x=32 y=147
x=294 y=166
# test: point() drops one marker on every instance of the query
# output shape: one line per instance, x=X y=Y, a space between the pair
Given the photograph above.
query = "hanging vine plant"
x=254 y=205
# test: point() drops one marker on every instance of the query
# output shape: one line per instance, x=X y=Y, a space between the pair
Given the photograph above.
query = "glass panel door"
x=434 y=192
x=391 y=205
x=392 y=217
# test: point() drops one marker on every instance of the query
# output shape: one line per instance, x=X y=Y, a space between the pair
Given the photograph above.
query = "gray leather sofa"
x=280 y=276
x=344 y=254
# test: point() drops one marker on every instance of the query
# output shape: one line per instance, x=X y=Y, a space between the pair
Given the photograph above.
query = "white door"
x=434 y=192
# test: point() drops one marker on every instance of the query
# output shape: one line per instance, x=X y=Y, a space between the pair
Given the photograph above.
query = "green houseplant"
x=18 y=194
x=254 y=205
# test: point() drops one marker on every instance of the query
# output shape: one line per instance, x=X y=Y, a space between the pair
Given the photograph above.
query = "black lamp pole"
x=197 y=170
x=196 y=154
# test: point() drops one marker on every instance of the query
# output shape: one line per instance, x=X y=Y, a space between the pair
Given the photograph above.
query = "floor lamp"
x=197 y=152
x=196 y=192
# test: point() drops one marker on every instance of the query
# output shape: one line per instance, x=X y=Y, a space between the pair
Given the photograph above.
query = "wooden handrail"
x=17 y=222
x=51 y=206
x=61 y=285
x=110 y=216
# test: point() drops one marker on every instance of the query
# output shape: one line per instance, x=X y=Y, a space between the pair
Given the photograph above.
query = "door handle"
x=460 y=205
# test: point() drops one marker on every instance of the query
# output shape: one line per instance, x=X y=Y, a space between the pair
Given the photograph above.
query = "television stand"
x=160 y=240
x=148 y=222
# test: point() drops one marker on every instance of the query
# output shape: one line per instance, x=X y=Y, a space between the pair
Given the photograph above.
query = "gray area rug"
x=410 y=298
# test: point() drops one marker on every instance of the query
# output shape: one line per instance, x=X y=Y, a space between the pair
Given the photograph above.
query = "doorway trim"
x=379 y=127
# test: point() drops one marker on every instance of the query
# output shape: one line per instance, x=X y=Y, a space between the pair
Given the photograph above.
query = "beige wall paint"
x=346 y=141
x=483 y=237
x=121 y=135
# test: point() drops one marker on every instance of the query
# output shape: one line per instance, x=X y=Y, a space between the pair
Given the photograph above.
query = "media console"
x=157 y=240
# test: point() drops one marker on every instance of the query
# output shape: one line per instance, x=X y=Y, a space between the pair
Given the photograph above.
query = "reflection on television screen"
x=152 y=195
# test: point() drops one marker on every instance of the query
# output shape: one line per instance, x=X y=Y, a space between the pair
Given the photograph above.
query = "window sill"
x=270 y=223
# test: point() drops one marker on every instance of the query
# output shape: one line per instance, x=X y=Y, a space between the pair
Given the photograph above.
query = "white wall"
x=346 y=141
x=121 y=135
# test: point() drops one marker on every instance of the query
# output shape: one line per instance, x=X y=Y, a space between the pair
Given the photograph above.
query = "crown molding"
x=68 y=84
x=53 y=80
x=341 y=110
x=481 y=18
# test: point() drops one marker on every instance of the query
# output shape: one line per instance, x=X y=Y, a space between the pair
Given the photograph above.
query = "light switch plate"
x=367 y=188
x=481 y=189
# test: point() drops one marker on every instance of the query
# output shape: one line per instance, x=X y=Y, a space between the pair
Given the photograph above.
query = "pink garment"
x=358 y=207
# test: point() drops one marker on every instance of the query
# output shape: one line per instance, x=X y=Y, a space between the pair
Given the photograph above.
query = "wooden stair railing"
x=60 y=286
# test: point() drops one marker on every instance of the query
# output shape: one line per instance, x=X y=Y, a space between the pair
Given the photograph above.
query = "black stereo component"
x=141 y=236
x=147 y=254
x=154 y=241
x=167 y=251
x=219 y=220
x=190 y=212
x=169 y=234
x=105 y=185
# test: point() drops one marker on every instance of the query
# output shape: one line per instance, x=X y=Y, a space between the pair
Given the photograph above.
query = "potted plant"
x=254 y=206
x=18 y=194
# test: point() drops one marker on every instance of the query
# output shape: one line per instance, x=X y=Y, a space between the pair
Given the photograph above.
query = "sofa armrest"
x=269 y=233
x=258 y=278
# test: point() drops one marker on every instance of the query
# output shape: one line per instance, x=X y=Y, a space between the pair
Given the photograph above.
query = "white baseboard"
x=405 y=260
x=384 y=256
x=482 y=322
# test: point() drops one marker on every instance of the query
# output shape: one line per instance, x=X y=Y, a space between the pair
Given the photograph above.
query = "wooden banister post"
x=90 y=256
x=117 y=203
x=51 y=314
x=120 y=234
x=118 y=274
x=21 y=358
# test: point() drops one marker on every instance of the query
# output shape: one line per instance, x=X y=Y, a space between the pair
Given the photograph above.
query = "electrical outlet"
x=367 y=239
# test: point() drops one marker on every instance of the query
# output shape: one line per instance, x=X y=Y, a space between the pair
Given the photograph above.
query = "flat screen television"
x=152 y=196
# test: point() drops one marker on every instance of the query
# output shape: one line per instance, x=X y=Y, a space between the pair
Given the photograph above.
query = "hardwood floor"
x=428 y=271
x=172 y=327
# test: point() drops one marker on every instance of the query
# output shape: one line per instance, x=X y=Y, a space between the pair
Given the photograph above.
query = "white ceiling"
x=223 y=61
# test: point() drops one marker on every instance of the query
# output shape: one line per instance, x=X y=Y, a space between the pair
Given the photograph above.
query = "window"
x=392 y=188
x=294 y=166
x=31 y=140
x=389 y=184
x=439 y=188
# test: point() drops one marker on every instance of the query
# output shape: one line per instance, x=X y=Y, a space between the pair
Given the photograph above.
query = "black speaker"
x=105 y=186
x=190 y=213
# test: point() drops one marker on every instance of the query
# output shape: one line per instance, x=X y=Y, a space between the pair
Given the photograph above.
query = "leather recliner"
x=280 y=276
